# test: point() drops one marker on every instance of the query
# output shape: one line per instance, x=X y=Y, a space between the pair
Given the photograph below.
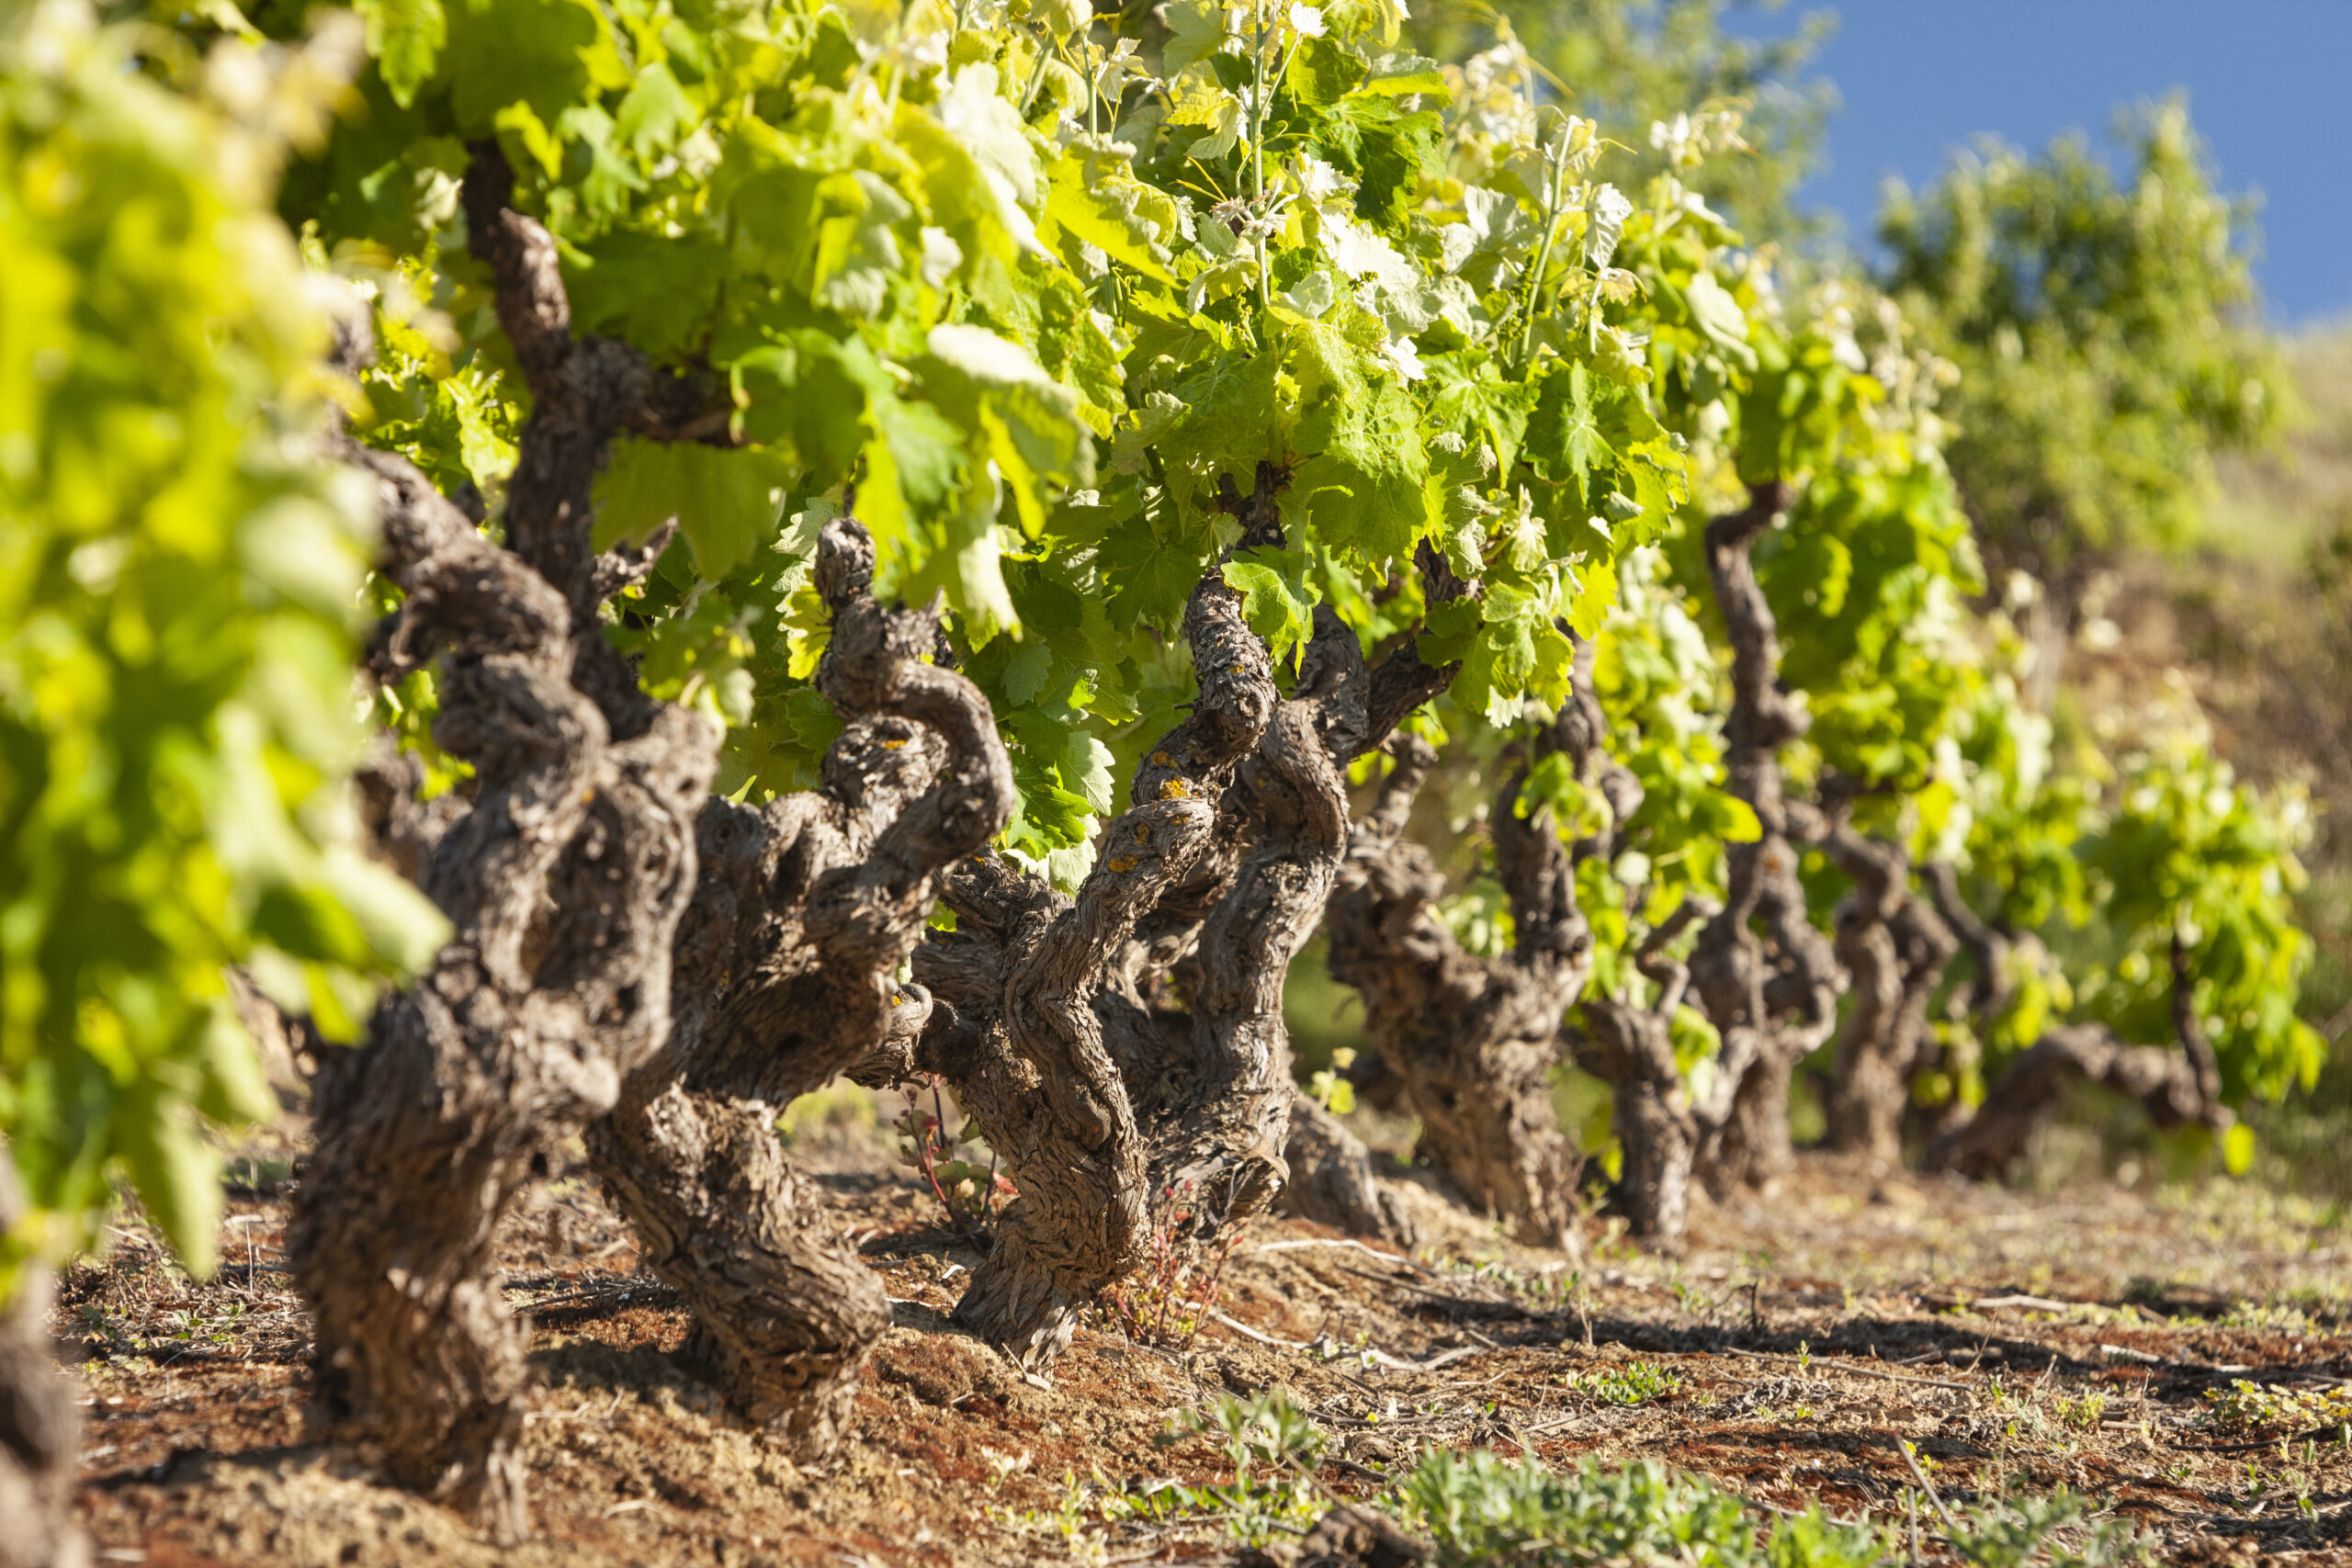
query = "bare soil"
x=2017 y=1340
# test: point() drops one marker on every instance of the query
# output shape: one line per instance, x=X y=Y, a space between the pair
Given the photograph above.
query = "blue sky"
x=2269 y=84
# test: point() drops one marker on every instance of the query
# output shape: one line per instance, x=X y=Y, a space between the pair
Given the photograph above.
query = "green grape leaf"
x=655 y=116
x=726 y=501
x=1470 y=398
x=175 y=1172
x=1719 y=316
x=1564 y=437
x=1274 y=609
x=1151 y=568
x=1105 y=204
x=405 y=37
x=548 y=56
x=233 y=1089
x=810 y=392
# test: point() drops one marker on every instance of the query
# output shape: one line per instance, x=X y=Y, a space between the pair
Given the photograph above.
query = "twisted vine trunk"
x=1894 y=947
x=1333 y=1182
x=564 y=876
x=804 y=910
x=2178 y=1087
x=39 y=1425
x=1660 y=1123
x=633 y=959
x=1019 y=1034
x=1061 y=1005
x=1332 y=1179
x=1124 y=1050
x=1971 y=1008
x=1471 y=1041
x=1625 y=1037
x=1766 y=977
x=1219 y=1139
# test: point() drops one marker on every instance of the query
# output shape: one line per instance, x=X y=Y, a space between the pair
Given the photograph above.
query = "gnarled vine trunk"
x=564 y=874
x=782 y=980
x=39 y=1427
x=1123 y=1051
x=1017 y=1032
x=1625 y=1038
x=2177 y=1088
x=1894 y=947
x=1333 y=1182
x=1107 y=1104
x=1219 y=1138
x=1627 y=1042
x=1766 y=977
x=1471 y=1041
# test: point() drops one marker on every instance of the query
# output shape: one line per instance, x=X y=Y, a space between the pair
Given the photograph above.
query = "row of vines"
x=954 y=543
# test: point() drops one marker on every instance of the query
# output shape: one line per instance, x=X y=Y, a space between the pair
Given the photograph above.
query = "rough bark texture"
x=1220 y=1137
x=1982 y=1001
x=1766 y=977
x=1893 y=947
x=1332 y=1182
x=1331 y=1172
x=1986 y=946
x=802 y=911
x=2178 y=1088
x=1627 y=1042
x=39 y=1427
x=564 y=873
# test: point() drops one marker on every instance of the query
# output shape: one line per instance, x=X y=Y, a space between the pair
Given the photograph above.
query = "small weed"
x=245 y=1176
x=1330 y=1088
x=1167 y=1303
x=1273 y=1446
x=1267 y=1431
x=1480 y=1510
x=182 y=1330
x=2083 y=1413
x=1066 y=1518
x=1784 y=1416
x=970 y=1195
x=101 y=1327
x=1548 y=1290
x=1635 y=1383
x=1360 y=1348
x=1004 y=1467
x=1253 y=1512
x=2057 y=1528
x=2267 y=1317
x=2252 y=1408
x=189 y=1327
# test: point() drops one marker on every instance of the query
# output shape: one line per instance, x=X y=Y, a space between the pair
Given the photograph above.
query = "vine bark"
x=1471 y=1041
x=1766 y=977
x=564 y=877
x=804 y=910
x=564 y=871
x=2178 y=1086
x=1894 y=947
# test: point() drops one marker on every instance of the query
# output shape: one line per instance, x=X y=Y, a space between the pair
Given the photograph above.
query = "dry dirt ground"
x=2018 y=1341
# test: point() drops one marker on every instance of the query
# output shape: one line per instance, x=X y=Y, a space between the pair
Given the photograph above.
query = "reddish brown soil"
x=1807 y=1332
